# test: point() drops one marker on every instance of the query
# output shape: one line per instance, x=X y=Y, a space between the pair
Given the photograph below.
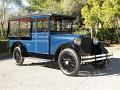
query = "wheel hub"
x=66 y=62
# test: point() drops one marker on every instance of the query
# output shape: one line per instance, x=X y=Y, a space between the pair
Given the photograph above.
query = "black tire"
x=100 y=64
x=69 y=62
x=18 y=56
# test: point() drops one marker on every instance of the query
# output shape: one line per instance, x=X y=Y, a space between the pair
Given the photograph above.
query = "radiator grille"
x=86 y=45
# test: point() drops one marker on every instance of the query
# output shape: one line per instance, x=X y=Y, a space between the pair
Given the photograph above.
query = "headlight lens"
x=77 y=41
x=95 y=41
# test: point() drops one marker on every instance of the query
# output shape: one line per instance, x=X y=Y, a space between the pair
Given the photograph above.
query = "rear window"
x=14 y=28
x=19 y=27
x=25 y=27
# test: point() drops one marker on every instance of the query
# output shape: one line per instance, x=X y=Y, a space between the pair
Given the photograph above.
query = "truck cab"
x=51 y=35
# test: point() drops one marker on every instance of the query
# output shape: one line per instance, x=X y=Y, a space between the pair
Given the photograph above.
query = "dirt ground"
x=39 y=74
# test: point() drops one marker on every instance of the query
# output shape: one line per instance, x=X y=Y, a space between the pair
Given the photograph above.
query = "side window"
x=25 y=27
x=42 y=24
x=52 y=28
x=53 y=25
x=60 y=25
x=34 y=25
x=66 y=25
x=14 y=28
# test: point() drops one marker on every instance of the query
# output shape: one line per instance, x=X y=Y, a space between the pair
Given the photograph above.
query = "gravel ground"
x=39 y=74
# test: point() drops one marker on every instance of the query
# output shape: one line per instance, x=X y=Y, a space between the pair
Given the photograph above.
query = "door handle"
x=36 y=36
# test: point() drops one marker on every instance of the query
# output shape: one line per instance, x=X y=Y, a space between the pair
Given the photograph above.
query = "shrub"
x=109 y=35
x=81 y=31
x=3 y=37
x=3 y=47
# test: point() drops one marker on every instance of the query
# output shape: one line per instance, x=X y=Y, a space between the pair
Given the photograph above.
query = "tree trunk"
x=2 y=27
x=92 y=33
x=96 y=30
x=3 y=19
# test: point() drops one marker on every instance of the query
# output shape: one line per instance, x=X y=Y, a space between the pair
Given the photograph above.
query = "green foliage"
x=71 y=6
x=91 y=13
x=4 y=36
x=109 y=35
x=81 y=31
x=56 y=6
x=45 y=5
x=104 y=12
x=110 y=11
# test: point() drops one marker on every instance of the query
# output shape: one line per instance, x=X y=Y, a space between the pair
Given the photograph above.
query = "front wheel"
x=69 y=62
x=17 y=56
x=100 y=64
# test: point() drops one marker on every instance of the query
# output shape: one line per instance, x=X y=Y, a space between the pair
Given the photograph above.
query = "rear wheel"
x=69 y=62
x=17 y=55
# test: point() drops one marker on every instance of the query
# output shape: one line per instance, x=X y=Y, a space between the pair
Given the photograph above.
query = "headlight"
x=95 y=41
x=77 y=41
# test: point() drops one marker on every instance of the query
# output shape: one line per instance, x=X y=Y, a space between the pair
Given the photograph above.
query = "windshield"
x=60 y=25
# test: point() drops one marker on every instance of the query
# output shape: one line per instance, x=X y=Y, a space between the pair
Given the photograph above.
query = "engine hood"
x=64 y=36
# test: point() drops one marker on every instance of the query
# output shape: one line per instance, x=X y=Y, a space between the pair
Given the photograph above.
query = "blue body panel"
x=57 y=40
x=42 y=43
x=45 y=42
x=29 y=44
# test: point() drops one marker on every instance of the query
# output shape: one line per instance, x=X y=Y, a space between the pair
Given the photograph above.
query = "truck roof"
x=42 y=15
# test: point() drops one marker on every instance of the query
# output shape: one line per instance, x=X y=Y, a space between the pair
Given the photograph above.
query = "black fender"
x=21 y=45
x=66 y=45
x=99 y=49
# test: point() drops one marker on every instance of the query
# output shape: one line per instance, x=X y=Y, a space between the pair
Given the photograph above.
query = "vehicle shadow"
x=5 y=57
x=113 y=68
x=48 y=64
x=86 y=70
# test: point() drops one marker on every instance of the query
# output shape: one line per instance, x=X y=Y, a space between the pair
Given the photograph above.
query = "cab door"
x=42 y=35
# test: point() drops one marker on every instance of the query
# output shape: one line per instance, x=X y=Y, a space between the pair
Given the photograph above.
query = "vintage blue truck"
x=50 y=35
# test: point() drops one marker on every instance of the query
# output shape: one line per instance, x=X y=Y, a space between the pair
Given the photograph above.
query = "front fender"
x=67 y=45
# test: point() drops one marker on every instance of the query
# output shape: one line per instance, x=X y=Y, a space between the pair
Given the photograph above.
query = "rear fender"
x=21 y=45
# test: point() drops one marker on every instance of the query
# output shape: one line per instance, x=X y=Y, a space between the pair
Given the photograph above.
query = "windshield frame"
x=54 y=20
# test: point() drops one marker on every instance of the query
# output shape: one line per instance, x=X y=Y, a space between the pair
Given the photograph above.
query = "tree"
x=45 y=6
x=4 y=9
x=91 y=12
x=69 y=7
x=100 y=12
x=56 y=6
x=112 y=9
